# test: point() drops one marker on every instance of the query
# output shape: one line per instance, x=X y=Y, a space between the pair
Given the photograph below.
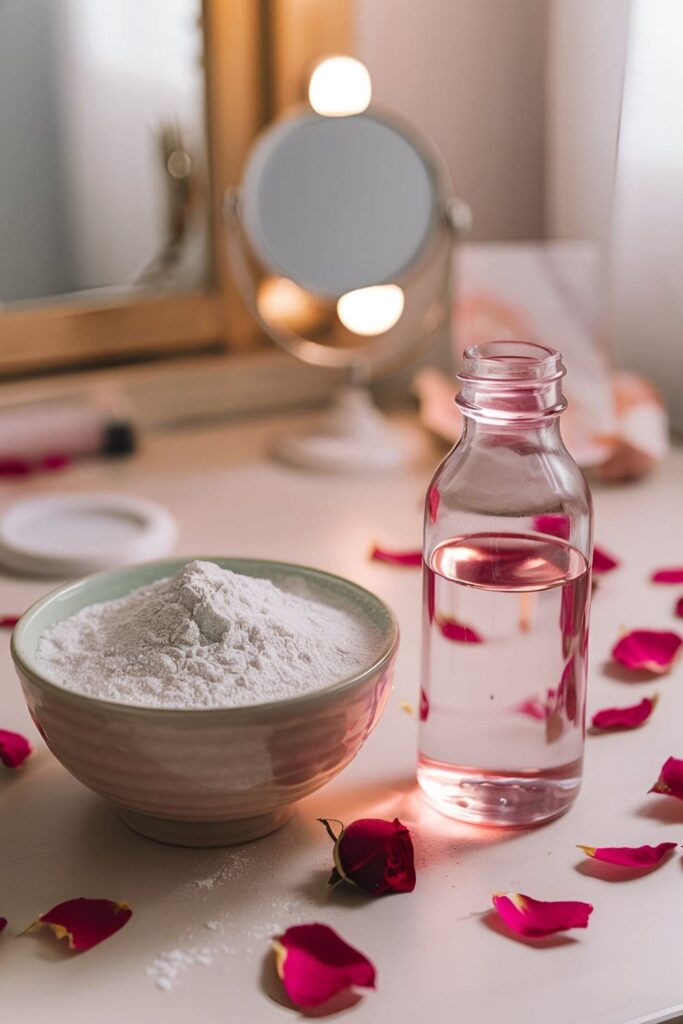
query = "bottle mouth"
x=521 y=363
x=511 y=380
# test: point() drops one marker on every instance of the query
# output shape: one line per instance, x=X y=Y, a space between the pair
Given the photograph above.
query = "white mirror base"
x=351 y=436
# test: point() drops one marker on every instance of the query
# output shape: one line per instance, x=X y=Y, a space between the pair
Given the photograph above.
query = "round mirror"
x=338 y=204
x=351 y=222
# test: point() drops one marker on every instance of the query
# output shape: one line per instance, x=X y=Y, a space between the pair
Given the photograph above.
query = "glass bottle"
x=507 y=581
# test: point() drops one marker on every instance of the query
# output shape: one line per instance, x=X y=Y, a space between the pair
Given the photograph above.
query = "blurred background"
x=124 y=122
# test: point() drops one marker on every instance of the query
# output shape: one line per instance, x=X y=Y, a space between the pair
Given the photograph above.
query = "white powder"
x=206 y=637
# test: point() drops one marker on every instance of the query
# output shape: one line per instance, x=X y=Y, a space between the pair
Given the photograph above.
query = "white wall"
x=471 y=74
x=585 y=68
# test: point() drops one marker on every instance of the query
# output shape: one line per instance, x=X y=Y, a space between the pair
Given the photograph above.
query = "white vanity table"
x=437 y=958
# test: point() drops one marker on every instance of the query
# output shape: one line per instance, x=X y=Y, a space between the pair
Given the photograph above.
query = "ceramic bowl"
x=206 y=777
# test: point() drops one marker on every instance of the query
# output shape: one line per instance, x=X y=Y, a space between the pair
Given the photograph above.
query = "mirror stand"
x=352 y=434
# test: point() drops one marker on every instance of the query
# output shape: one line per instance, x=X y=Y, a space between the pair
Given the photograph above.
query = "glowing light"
x=371 y=311
x=282 y=302
x=340 y=86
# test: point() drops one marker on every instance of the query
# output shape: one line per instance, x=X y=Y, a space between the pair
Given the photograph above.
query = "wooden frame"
x=256 y=54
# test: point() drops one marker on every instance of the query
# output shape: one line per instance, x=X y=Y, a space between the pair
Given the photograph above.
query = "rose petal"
x=424 y=706
x=534 y=708
x=14 y=748
x=670 y=781
x=651 y=649
x=537 y=918
x=625 y=718
x=433 y=499
x=555 y=525
x=679 y=608
x=3 y=923
x=9 y=621
x=458 y=632
x=673 y=575
x=314 y=964
x=84 y=922
x=407 y=558
x=629 y=856
x=374 y=855
x=602 y=562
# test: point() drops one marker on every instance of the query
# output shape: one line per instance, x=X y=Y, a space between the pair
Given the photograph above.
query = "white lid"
x=66 y=535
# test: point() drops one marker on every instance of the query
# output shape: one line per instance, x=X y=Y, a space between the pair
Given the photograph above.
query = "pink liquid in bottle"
x=501 y=738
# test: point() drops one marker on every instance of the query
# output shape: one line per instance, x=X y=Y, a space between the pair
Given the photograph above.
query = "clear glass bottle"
x=507 y=581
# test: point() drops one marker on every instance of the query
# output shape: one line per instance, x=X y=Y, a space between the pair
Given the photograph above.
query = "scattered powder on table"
x=204 y=638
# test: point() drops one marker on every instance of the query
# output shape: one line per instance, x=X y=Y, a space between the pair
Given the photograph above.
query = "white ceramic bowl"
x=205 y=777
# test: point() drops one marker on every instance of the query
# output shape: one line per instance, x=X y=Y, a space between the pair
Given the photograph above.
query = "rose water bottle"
x=507 y=582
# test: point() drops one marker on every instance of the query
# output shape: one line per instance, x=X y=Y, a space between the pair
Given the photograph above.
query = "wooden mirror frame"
x=256 y=53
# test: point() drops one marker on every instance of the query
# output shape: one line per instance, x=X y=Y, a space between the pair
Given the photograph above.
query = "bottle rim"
x=520 y=363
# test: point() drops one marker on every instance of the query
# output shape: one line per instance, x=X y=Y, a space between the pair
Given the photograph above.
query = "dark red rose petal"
x=650 y=649
x=405 y=558
x=424 y=706
x=673 y=575
x=602 y=562
x=9 y=621
x=670 y=781
x=315 y=963
x=458 y=632
x=433 y=499
x=538 y=918
x=14 y=748
x=374 y=855
x=84 y=922
x=555 y=525
x=625 y=718
x=3 y=923
x=679 y=608
x=630 y=856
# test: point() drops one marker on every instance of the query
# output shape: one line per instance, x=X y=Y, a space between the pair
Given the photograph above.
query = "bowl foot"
x=205 y=833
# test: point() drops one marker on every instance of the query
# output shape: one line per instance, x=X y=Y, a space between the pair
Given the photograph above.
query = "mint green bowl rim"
x=40 y=616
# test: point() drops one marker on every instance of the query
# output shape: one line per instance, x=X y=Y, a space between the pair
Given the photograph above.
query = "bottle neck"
x=512 y=386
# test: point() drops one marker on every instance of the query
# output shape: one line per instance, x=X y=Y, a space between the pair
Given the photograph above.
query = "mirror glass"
x=338 y=203
x=103 y=182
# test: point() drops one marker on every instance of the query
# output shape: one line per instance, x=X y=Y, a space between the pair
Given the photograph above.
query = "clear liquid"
x=505 y=634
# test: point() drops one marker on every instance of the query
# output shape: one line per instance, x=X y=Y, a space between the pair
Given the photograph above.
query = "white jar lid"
x=65 y=535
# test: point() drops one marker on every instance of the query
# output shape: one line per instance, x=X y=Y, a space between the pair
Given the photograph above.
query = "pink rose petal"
x=650 y=649
x=679 y=608
x=602 y=562
x=625 y=718
x=538 y=918
x=533 y=708
x=84 y=922
x=457 y=631
x=670 y=781
x=9 y=621
x=433 y=499
x=406 y=558
x=555 y=525
x=314 y=964
x=14 y=748
x=630 y=856
x=673 y=575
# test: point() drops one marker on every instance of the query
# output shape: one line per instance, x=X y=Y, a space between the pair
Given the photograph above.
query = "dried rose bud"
x=374 y=855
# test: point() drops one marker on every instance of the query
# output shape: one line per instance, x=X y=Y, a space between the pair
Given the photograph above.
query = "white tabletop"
x=436 y=956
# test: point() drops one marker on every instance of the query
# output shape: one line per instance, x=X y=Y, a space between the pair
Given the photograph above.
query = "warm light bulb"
x=372 y=310
x=340 y=86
